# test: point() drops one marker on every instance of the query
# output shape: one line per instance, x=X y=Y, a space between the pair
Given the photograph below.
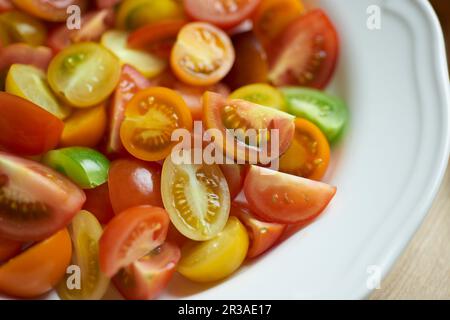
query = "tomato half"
x=202 y=54
x=26 y=128
x=284 y=198
x=98 y=203
x=306 y=52
x=147 y=277
x=235 y=175
x=131 y=235
x=25 y=54
x=55 y=10
x=134 y=183
x=38 y=269
x=150 y=118
x=260 y=93
x=21 y=27
x=223 y=13
x=35 y=201
x=8 y=249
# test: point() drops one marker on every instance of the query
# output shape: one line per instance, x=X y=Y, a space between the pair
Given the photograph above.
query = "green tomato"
x=23 y=28
x=84 y=166
x=260 y=93
x=329 y=113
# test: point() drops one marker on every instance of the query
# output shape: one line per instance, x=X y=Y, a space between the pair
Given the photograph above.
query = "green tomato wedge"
x=262 y=94
x=21 y=27
x=329 y=113
x=86 y=167
x=30 y=83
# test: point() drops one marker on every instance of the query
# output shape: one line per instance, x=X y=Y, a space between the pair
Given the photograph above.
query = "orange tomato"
x=38 y=269
x=309 y=153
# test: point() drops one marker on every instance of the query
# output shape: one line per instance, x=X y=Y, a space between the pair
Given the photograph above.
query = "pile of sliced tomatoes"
x=89 y=194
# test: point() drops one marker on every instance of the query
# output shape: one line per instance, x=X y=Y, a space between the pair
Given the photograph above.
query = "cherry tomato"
x=202 y=54
x=309 y=153
x=223 y=13
x=283 y=198
x=217 y=258
x=26 y=128
x=131 y=235
x=99 y=203
x=8 y=249
x=196 y=197
x=106 y=3
x=260 y=93
x=306 y=53
x=25 y=54
x=84 y=74
x=263 y=235
x=35 y=201
x=147 y=277
x=240 y=115
x=6 y=5
x=150 y=118
x=235 y=175
x=85 y=231
x=175 y=236
x=23 y=28
x=55 y=10
x=38 y=269
x=134 y=183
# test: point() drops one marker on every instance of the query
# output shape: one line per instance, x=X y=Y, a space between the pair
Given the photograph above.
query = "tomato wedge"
x=283 y=198
x=55 y=10
x=131 y=235
x=235 y=175
x=8 y=249
x=25 y=54
x=99 y=203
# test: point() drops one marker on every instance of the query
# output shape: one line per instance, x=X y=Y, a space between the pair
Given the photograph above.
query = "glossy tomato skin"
x=98 y=203
x=133 y=183
x=25 y=128
x=235 y=175
x=283 y=198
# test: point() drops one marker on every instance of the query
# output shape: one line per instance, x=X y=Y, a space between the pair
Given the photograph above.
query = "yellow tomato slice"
x=262 y=94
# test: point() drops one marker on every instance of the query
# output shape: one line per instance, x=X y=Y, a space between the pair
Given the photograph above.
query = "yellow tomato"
x=260 y=93
x=217 y=258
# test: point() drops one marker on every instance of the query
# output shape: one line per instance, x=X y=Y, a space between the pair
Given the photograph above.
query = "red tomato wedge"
x=306 y=52
x=25 y=54
x=147 y=277
x=8 y=249
x=99 y=204
x=235 y=175
x=283 y=198
x=35 y=201
x=25 y=128
x=131 y=235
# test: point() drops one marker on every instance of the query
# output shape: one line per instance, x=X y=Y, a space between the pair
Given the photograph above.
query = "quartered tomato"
x=98 y=203
x=240 y=116
x=134 y=183
x=131 y=235
x=85 y=232
x=217 y=258
x=150 y=118
x=38 y=269
x=25 y=54
x=21 y=27
x=26 y=128
x=260 y=93
x=84 y=74
x=196 y=197
x=202 y=54
x=306 y=52
x=35 y=201
x=284 y=198
x=309 y=153
x=147 y=277
x=8 y=249
x=234 y=174
x=223 y=13
x=55 y=10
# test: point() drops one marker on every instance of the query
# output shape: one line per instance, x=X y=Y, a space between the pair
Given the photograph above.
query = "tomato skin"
x=8 y=249
x=38 y=269
x=25 y=54
x=260 y=93
x=102 y=4
x=98 y=203
x=235 y=175
x=55 y=10
x=6 y=5
x=25 y=128
x=134 y=183
x=283 y=198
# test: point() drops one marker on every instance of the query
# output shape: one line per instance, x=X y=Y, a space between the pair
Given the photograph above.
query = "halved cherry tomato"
x=26 y=128
x=131 y=235
x=25 y=54
x=202 y=54
x=197 y=198
x=131 y=81
x=223 y=13
x=240 y=115
x=147 y=277
x=306 y=53
x=150 y=118
x=134 y=183
x=235 y=175
x=263 y=235
x=284 y=198
x=260 y=93
x=99 y=203
x=309 y=153
x=8 y=249
x=38 y=269
x=23 y=28
x=55 y=10
x=35 y=201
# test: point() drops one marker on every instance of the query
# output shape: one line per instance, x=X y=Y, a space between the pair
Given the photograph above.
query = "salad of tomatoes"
x=95 y=190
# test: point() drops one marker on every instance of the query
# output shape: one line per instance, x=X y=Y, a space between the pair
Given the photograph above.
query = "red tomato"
x=54 y=10
x=130 y=83
x=134 y=183
x=5 y=5
x=102 y=4
x=235 y=175
x=99 y=204
x=283 y=198
x=263 y=235
x=131 y=235
x=306 y=52
x=26 y=128
x=147 y=277
x=223 y=13
x=8 y=249
x=35 y=201
x=25 y=54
